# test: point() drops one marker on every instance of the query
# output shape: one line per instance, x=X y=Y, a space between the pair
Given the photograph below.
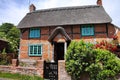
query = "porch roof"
x=59 y=30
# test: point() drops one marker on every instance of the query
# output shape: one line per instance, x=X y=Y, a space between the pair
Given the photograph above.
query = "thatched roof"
x=92 y=14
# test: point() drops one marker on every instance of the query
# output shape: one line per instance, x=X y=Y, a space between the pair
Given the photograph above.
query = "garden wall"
x=38 y=70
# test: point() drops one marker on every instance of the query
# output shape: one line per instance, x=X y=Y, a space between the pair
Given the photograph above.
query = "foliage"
x=82 y=58
x=10 y=33
x=115 y=37
x=19 y=76
x=108 y=65
x=112 y=46
x=5 y=27
x=4 y=59
x=107 y=46
x=76 y=60
x=13 y=38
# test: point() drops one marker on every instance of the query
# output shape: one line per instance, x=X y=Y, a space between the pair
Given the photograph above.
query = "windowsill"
x=86 y=35
x=34 y=38
x=35 y=55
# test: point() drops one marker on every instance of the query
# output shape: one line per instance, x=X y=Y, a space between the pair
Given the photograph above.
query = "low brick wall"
x=5 y=68
x=24 y=70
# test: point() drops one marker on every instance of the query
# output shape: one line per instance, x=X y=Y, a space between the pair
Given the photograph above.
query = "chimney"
x=32 y=8
x=99 y=2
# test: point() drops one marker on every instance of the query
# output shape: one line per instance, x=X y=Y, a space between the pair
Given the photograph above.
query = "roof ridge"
x=66 y=8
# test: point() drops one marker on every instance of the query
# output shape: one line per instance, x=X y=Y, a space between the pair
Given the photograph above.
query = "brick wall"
x=24 y=70
x=46 y=49
x=102 y=32
x=111 y=30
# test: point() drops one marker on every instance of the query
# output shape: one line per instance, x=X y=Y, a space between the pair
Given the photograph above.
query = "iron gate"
x=51 y=70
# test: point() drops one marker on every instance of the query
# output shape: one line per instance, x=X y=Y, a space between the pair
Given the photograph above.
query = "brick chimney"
x=99 y=2
x=32 y=8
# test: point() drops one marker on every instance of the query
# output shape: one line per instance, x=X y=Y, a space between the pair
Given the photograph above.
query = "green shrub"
x=82 y=58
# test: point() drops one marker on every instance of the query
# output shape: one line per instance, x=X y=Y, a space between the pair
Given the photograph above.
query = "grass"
x=18 y=76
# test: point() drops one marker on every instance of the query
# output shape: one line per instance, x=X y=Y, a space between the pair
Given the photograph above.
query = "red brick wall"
x=100 y=28
x=24 y=34
x=111 y=30
x=102 y=32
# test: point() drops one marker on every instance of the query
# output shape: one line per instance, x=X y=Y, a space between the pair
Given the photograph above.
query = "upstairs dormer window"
x=34 y=33
x=87 y=30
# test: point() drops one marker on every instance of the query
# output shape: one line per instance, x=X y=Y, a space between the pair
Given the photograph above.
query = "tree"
x=10 y=33
x=99 y=64
x=5 y=27
x=13 y=38
x=3 y=35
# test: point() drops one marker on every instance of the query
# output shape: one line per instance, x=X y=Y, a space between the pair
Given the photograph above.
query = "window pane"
x=39 y=49
x=92 y=31
x=31 y=33
x=83 y=31
x=37 y=32
x=31 y=49
x=35 y=49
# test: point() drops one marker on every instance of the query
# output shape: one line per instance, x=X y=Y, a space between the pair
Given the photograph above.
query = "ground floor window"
x=35 y=50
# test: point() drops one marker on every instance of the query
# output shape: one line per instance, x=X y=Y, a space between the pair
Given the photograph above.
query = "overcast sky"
x=12 y=11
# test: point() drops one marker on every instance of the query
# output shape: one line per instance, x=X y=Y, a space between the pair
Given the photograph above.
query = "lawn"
x=18 y=76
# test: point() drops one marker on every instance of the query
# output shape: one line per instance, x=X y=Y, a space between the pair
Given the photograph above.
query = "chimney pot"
x=32 y=8
x=99 y=2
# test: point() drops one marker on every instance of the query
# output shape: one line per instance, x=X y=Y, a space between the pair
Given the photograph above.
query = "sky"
x=12 y=11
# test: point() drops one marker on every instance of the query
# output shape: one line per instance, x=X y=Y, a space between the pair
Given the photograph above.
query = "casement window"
x=34 y=33
x=87 y=30
x=35 y=50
